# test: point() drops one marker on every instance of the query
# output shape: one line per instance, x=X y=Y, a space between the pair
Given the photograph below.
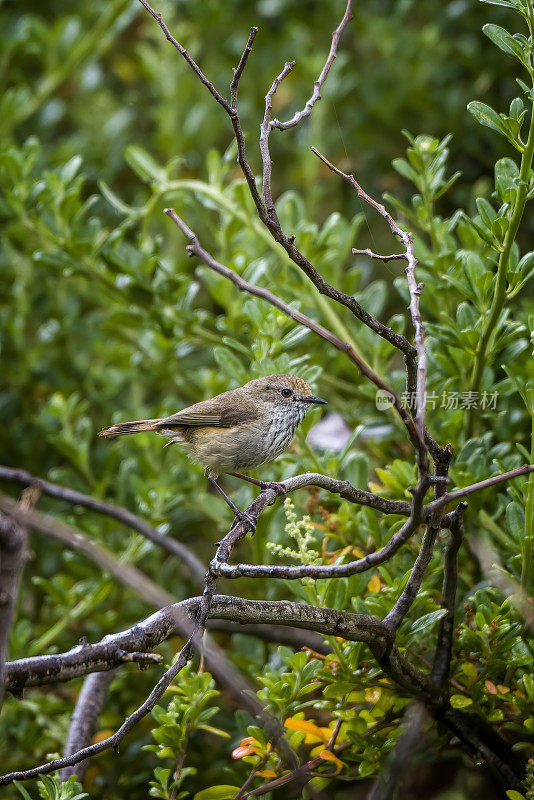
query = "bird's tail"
x=125 y=428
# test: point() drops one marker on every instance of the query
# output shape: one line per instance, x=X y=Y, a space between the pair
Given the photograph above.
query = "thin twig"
x=487 y=483
x=367 y=252
x=396 y=615
x=252 y=774
x=265 y=130
x=240 y=67
x=442 y=656
x=306 y=111
x=297 y=571
x=20 y=476
x=230 y=109
x=334 y=735
x=415 y=291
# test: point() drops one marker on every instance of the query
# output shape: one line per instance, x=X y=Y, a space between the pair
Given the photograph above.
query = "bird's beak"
x=312 y=399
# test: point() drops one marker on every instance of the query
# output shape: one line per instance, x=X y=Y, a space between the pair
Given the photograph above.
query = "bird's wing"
x=219 y=412
x=191 y=417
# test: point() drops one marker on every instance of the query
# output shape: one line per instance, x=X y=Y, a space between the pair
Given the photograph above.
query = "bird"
x=234 y=431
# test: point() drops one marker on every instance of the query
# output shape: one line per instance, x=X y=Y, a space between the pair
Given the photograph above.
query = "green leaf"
x=514 y=4
x=515 y=520
x=527 y=89
x=69 y=170
x=486 y=211
x=449 y=183
x=506 y=42
x=115 y=201
x=336 y=594
x=470 y=671
x=404 y=169
x=22 y=790
x=428 y=620
x=528 y=683
x=229 y=363
x=460 y=701
x=511 y=793
x=485 y=115
x=143 y=164
x=222 y=792
x=506 y=176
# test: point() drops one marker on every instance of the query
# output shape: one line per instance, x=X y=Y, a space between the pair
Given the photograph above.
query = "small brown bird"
x=236 y=430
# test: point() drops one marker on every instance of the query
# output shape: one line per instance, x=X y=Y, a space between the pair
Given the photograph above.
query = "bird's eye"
x=286 y=392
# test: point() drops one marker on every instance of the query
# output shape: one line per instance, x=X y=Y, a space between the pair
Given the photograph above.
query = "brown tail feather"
x=124 y=428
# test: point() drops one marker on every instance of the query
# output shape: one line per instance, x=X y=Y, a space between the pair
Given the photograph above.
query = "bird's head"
x=283 y=393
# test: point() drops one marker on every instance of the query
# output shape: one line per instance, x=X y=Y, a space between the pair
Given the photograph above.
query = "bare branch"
x=265 y=130
x=367 y=252
x=306 y=111
x=396 y=615
x=12 y=549
x=81 y=662
x=442 y=656
x=84 y=719
x=113 y=650
x=352 y=627
x=171 y=621
x=322 y=570
x=23 y=478
x=240 y=67
x=415 y=290
x=76 y=540
x=197 y=628
x=83 y=659
x=487 y=483
x=111 y=741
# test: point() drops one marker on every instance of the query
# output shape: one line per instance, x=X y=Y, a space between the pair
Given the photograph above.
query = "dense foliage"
x=104 y=318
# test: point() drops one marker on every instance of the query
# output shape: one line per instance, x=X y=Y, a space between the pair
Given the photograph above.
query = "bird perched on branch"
x=236 y=430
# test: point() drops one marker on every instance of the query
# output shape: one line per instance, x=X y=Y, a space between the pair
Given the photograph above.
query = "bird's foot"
x=246 y=519
x=279 y=488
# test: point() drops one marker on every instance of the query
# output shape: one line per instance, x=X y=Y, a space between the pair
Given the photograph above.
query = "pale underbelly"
x=236 y=449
